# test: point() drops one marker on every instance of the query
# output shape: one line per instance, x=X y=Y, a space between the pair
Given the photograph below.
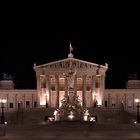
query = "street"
x=72 y=130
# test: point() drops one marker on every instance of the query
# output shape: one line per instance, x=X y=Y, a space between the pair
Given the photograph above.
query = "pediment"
x=65 y=63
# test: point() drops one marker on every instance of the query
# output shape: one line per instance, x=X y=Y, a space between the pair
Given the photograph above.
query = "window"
x=88 y=84
x=11 y=105
x=105 y=103
x=113 y=105
x=19 y=105
x=35 y=104
x=27 y=104
x=52 y=84
x=61 y=84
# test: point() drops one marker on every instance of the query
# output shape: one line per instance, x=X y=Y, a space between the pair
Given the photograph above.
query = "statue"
x=34 y=64
x=133 y=77
x=6 y=77
x=71 y=77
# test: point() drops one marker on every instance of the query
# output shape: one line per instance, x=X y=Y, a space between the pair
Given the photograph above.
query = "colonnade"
x=44 y=87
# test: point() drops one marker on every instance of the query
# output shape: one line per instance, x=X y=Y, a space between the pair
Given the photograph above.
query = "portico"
x=52 y=83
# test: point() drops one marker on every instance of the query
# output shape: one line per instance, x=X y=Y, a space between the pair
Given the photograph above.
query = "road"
x=72 y=131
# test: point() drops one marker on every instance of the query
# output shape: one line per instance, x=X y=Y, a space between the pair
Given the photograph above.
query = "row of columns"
x=84 y=98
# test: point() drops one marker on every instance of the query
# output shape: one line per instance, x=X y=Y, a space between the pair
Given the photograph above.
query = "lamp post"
x=2 y=101
x=138 y=113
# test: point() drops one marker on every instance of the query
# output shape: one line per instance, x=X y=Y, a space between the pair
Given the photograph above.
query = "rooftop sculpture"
x=7 y=77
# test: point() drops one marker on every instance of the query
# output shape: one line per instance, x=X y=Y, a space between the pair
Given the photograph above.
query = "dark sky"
x=102 y=37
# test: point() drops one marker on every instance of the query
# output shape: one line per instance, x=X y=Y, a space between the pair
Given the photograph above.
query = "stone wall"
x=121 y=98
x=19 y=99
x=114 y=98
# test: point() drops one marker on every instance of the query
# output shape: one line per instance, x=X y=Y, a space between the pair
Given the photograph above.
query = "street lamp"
x=138 y=106
x=2 y=101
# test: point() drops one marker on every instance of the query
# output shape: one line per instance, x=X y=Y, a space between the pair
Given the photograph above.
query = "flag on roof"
x=71 y=48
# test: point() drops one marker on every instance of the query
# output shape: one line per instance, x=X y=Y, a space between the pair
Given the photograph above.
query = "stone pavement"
x=111 y=125
x=72 y=131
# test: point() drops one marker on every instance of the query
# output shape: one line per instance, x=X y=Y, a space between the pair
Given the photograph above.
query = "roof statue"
x=106 y=64
x=133 y=77
x=7 y=77
x=70 y=55
x=34 y=65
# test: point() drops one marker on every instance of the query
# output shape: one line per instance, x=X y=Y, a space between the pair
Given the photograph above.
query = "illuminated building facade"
x=89 y=82
x=52 y=85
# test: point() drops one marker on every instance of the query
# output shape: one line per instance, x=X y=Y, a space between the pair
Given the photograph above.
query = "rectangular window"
x=105 y=103
x=27 y=104
x=88 y=84
x=52 y=84
x=113 y=105
x=61 y=84
x=35 y=104
x=11 y=105
x=20 y=105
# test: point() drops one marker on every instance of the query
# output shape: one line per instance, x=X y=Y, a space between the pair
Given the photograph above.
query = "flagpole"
x=70 y=47
x=70 y=50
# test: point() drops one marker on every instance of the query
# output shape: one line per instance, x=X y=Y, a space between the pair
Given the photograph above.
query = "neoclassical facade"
x=52 y=82
x=18 y=98
x=52 y=85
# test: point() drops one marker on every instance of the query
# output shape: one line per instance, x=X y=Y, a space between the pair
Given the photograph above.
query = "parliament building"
x=52 y=85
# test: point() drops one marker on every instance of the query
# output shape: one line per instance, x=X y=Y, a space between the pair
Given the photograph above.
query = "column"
x=108 y=102
x=66 y=87
x=84 y=90
x=133 y=102
x=125 y=101
x=32 y=100
x=57 y=90
x=38 y=81
x=102 y=89
x=15 y=101
x=24 y=103
x=92 y=90
x=38 y=90
x=47 y=90
x=7 y=98
x=117 y=101
x=75 y=85
x=43 y=90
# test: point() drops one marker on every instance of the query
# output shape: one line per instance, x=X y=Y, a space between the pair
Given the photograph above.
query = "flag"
x=71 y=48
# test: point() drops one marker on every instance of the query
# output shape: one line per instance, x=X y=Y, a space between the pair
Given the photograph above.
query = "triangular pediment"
x=64 y=63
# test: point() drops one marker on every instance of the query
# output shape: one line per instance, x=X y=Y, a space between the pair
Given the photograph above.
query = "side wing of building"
x=122 y=98
x=17 y=98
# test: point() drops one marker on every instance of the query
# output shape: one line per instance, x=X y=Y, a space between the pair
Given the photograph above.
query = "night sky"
x=107 y=37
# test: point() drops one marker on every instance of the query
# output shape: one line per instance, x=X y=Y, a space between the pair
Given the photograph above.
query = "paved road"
x=72 y=131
